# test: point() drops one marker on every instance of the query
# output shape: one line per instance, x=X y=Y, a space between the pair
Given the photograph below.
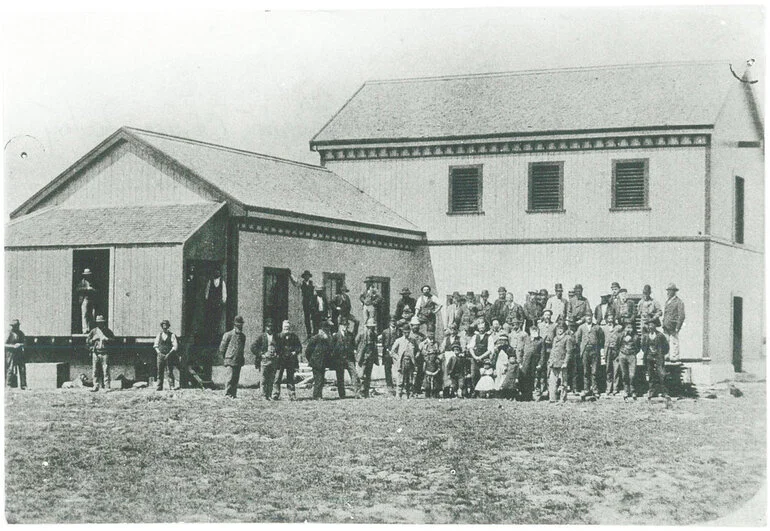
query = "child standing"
x=486 y=384
x=432 y=371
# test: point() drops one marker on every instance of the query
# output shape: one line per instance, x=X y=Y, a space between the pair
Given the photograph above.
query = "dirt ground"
x=192 y=456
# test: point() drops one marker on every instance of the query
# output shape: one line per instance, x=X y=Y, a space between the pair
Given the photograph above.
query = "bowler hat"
x=484 y=293
x=615 y=285
x=371 y=322
x=406 y=291
x=501 y=289
x=238 y=319
x=672 y=286
x=578 y=287
x=647 y=289
x=165 y=322
x=100 y=319
x=543 y=291
x=86 y=271
x=456 y=294
x=306 y=274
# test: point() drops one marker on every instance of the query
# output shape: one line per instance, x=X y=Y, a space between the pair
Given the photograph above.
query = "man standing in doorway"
x=288 y=347
x=371 y=299
x=99 y=340
x=320 y=309
x=216 y=298
x=307 y=289
x=673 y=319
x=86 y=296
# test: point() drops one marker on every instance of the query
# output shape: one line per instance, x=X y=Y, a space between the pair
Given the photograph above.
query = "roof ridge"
x=546 y=71
x=223 y=148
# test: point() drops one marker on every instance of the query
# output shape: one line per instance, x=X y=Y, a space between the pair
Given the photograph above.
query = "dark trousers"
x=590 y=359
x=541 y=372
x=318 y=383
x=233 y=375
x=656 y=374
x=613 y=371
x=308 y=311
x=15 y=367
x=268 y=377
x=627 y=364
x=166 y=364
x=419 y=375
x=405 y=382
x=432 y=385
x=350 y=366
x=387 y=363
x=287 y=370
x=366 y=377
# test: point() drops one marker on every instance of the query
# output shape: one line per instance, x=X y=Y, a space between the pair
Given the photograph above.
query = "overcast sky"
x=268 y=81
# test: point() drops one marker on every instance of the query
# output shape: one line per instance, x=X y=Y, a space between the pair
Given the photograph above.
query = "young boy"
x=432 y=371
x=449 y=366
x=464 y=371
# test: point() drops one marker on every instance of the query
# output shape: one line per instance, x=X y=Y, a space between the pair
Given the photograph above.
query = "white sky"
x=268 y=81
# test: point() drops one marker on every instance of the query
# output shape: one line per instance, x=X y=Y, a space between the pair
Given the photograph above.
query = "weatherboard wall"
x=418 y=189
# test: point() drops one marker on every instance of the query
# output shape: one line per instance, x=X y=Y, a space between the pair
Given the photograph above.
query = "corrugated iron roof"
x=101 y=226
x=267 y=182
x=567 y=100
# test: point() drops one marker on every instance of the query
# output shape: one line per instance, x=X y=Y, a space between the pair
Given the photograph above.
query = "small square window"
x=630 y=184
x=465 y=189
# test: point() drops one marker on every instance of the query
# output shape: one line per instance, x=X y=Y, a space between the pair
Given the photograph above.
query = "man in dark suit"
x=341 y=307
x=14 y=356
x=319 y=353
x=288 y=348
x=265 y=353
x=231 y=349
x=344 y=354
x=368 y=357
x=405 y=303
x=307 y=289
x=655 y=348
x=320 y=309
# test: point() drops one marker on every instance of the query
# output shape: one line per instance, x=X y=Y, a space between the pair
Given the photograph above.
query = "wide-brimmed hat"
x=406 y=291
x=100 y=319
x=672 y=286
x=615 y=285
x=370 y=322
x=306 y=274
x=238 y=319
x=87 y=271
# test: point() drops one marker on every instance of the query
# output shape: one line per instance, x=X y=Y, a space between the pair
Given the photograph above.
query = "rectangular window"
x=465 y=189
x=630 y=184
x=546 y=187
x=739 y=206
x=332 y=284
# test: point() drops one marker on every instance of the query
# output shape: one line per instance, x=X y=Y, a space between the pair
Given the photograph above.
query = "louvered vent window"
x=629 y=184
x=545 y=187
x=465 y=189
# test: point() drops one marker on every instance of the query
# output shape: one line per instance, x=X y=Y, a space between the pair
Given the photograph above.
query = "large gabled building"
x=641 y=174
x=152 y=215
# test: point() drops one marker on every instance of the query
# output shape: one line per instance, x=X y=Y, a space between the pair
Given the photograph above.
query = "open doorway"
x=738 y=334
x=275 y=295
x=199 y=327
x=90 y=288
x=383 y=315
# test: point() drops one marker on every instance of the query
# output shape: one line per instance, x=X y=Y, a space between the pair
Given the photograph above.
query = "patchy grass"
x=191 y=456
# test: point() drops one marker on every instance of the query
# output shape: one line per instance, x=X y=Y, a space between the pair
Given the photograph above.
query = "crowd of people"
x=544 y=349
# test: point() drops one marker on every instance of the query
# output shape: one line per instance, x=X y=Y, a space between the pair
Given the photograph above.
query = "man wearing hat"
x=368 y=356
x=557 y=305
x=98 y=340
x=578 y=308
x=614 y=300
x=404 y=352
x=427 y=309
x=557 y=363
x=451 y=309
x=590 y=338
x=405 y=306
x=307 y=289
x=673 y=319
x=166 y=347
x=498 y=310
x=341 y=307
x=231 y=349
x=626 y=312
x=655 y=347
x=319 y=355
x=344 y=354
x=602 y=310
x=466 y=314
x=648 y=308
x=288 y=347
x=532 y=310
x=388 y=338
x=320 y=308
x=371 y=299
x=484 y=307
x=86 y=296
x=265 y=352
x=14 y=356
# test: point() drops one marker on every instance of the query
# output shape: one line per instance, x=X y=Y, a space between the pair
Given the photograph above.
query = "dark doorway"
x=738 y=334
x=332 y=284
x=383 y=317
x=93 y=286
x=275 y=296
x=197 y=275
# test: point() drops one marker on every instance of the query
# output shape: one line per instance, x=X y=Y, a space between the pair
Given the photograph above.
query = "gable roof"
x=649 y=96
x=248 y=180
x=101 y=226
